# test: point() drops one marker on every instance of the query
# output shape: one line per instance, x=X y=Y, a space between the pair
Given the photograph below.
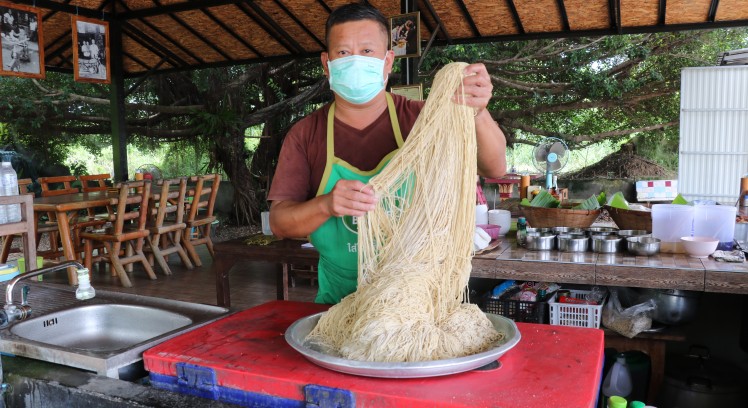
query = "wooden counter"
x=507 y=261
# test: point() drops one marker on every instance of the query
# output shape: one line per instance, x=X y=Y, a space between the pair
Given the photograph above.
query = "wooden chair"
x=166 y=223
x=128 y=232
x=23 y=188
x=25 y=227
x=53 y=186
x=50 y=185
x=198 y=223
x=96 y=182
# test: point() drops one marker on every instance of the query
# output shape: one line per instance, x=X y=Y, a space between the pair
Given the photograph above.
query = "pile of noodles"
x=415 y=248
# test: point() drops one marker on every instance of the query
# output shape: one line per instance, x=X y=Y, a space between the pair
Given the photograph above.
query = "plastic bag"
x=630 y=321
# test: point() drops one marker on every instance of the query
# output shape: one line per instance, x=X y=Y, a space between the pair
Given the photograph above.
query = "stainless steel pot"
x=673 y=306
x=567 y=230
x=606 y=244
x=539 y=241
x=572 y=243
x=601 y=230
x=643 y=245
x=696 y=380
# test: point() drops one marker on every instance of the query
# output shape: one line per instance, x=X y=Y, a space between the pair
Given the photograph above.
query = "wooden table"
x=62 y=205
x=507 y=261
x=284 y=252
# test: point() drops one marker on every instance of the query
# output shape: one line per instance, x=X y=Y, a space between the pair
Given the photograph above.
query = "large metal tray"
x=298 y=331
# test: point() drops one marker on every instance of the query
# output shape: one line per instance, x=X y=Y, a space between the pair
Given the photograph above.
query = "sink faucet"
x=11 y=312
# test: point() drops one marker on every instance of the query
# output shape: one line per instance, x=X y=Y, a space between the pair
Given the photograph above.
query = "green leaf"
x=617 y=201
x=680 y=200
x=601 y=198
x=588 y=204
x=544 y=199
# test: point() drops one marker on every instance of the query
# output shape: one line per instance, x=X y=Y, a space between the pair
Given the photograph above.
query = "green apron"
x=337 y=239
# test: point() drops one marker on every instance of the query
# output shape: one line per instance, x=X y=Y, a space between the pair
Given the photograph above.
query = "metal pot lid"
x=699 y=372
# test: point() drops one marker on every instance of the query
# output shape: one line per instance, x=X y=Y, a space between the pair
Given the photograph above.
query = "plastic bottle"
x=618 y=380
x=521 y=231
x=10 y=188
x=85 y=290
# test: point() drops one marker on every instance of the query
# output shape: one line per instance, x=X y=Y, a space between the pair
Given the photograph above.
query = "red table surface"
x=550 y=366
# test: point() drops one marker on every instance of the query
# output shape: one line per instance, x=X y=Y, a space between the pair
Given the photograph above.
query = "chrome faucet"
x=11 y=312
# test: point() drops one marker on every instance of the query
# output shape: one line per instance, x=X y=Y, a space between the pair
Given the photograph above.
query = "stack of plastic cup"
x=481 y=214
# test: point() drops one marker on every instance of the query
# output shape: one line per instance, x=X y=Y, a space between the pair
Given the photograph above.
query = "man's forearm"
x=491 y=146
x=290 y=219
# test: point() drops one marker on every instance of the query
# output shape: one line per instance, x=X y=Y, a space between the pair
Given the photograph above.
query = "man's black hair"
x=354 y=12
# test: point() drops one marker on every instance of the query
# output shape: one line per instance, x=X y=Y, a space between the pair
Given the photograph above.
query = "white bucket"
x=716 y=221
x=670 y=222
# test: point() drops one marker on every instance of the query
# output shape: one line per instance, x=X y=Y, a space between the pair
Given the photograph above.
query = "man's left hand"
x=476 y=89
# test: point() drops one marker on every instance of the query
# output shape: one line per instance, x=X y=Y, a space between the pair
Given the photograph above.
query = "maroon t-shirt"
x=304 y=153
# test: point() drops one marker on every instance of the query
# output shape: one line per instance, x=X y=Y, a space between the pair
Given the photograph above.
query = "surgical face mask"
x=356 y=78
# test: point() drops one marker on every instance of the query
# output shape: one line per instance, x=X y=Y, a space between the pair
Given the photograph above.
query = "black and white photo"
x=91 y=50
x=405 y=35
x=20 y=36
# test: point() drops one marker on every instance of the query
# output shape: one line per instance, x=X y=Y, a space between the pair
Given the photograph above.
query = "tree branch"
x=572 y=140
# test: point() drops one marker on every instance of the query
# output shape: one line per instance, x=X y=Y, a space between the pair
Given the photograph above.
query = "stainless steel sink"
x=103 y=334
x=100 y=327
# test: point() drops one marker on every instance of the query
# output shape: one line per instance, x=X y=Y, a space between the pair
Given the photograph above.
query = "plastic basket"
x=566 y=314
x=517 y=310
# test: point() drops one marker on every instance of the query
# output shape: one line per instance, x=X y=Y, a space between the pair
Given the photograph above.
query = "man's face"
x=365 y=38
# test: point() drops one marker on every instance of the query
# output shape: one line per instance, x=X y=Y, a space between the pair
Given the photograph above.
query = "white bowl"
x=699 y=247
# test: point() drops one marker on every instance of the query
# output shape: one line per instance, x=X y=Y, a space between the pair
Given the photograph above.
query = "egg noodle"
x=415 y=248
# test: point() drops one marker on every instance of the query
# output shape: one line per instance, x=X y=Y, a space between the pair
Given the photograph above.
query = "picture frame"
x=405 y=35
x=414 y=91
x=20 y=39
x=91 y=62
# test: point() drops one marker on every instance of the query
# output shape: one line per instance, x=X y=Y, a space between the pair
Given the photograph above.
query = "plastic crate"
x=566 y=314
x=517 y=310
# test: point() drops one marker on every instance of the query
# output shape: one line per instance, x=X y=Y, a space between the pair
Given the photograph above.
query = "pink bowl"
x=699 y=247
x=491 y=230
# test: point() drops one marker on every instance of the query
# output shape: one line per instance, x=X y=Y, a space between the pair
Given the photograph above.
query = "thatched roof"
x=176 y=34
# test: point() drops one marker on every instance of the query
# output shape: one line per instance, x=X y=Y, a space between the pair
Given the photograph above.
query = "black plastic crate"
x=517 y=310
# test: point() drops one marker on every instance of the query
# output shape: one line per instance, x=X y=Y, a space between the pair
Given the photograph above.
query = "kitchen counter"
x=245 y=359
x=507 y=261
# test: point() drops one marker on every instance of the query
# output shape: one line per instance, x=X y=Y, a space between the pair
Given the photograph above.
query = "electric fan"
x=550 y=156
x=151 y=169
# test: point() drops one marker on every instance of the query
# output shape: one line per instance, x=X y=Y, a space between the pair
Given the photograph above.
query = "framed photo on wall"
x=414 y=92
x=405 y=35
x=91 y=50
x=21 y=39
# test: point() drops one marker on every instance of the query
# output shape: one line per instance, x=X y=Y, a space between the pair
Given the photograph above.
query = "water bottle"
x=618 y=381
x=85 y=290
x=521 y=231
x=10 y=188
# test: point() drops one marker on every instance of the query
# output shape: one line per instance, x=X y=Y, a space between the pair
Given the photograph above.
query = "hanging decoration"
x=21 y=40
x=91 y=50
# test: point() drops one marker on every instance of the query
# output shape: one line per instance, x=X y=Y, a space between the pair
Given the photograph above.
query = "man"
x=8 y=21
x=327 y=158
x=94 y=49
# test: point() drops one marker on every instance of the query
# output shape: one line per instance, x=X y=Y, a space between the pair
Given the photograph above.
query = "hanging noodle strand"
x=415 y=248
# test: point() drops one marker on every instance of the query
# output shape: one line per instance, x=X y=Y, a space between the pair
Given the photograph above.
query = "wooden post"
x=117 y=103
